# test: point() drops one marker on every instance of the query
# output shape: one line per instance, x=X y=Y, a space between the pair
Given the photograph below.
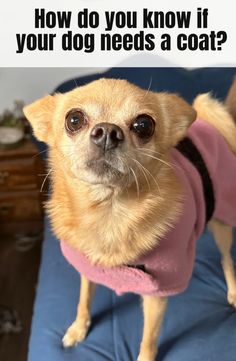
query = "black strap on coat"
x=190 y=151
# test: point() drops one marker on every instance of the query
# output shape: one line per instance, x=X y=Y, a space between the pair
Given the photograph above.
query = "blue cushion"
x=187 y=83
x=199 y=323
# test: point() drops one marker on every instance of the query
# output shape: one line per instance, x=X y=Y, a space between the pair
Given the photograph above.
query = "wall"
x=29 y=84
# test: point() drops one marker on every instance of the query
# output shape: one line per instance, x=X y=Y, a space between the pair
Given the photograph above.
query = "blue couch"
x=199 y=324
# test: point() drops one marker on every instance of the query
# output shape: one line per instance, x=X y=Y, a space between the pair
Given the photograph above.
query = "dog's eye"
x=143 y=126
x=75 y=120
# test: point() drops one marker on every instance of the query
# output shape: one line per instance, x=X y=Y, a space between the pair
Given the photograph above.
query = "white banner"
x=106 y=33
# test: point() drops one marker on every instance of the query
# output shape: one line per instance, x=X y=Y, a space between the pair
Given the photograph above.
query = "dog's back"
x=222 y=117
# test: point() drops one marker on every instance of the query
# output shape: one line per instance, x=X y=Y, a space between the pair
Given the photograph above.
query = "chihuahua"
x=136 y=176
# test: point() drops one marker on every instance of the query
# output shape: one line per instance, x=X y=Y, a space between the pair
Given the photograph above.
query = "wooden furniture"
x=22 y=172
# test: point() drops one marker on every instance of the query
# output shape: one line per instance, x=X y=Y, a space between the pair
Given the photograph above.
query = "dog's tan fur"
x=114 y=223
x=213 y=112
x=116 y=217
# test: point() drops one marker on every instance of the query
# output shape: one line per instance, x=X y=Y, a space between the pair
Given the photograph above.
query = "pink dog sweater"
x=167 y=269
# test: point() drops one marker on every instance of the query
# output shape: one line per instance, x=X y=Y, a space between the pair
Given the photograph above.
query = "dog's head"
x=110 y=132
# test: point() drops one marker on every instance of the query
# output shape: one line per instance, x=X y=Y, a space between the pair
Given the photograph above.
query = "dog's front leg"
x=153 y=310
x=78 y=330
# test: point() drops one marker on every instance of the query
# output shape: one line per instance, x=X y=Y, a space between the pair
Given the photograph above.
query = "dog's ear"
x=39 y=114
x=178 y=116
x=230 y=100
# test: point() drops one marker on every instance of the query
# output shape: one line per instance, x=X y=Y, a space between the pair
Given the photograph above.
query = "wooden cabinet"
x=22 y=172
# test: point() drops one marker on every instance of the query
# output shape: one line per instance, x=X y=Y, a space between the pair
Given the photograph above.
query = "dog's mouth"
x=105 y=168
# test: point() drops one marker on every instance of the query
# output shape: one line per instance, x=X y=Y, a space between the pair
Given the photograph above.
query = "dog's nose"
x=107 y=136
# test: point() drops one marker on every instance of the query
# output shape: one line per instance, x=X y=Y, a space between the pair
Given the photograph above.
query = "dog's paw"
x=75 y=333
x=144 y=358
x=232 y=299
x=147 y=355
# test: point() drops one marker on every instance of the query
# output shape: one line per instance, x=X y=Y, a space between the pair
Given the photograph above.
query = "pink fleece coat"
x=168 y=267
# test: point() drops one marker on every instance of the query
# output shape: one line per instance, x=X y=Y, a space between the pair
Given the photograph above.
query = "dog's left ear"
x=39 y=114
x=178 y=116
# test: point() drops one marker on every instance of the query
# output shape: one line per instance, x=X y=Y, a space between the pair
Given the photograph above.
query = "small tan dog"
x=115 y=193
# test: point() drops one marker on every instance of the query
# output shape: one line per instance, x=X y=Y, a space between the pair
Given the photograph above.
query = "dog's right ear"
x=230 y=100
x=39 y=114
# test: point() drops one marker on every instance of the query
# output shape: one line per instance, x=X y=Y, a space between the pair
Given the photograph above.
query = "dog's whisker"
x=143 y=171
x=151 y=175
x=151 y=150
x=136 y=181
x=50 y=171
x=155 y=181
x=76 y=84
x=158 y=187
x=128 y=172
x=37 y=154
x=158 y=159
x=149 y=87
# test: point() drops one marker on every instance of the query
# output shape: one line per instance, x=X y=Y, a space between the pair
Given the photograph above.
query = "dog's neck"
x=110 y=225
